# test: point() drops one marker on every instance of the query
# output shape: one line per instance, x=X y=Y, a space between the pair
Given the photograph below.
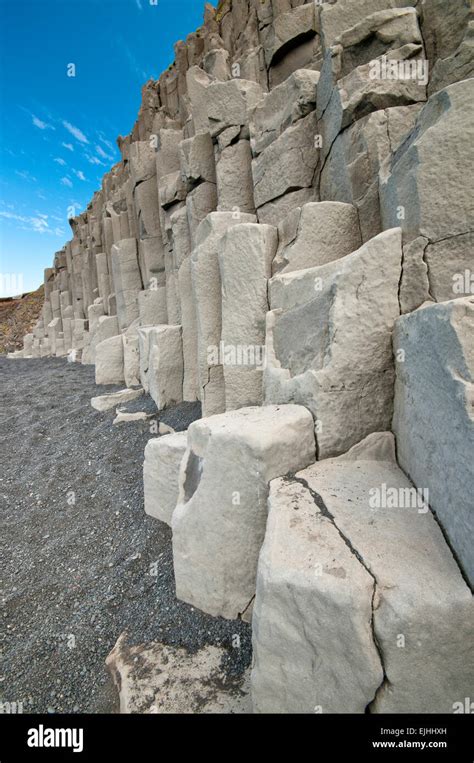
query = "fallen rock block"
x=160 y=679
x=163 y=456
x=106 y=402
x=122 y=417
x=434 y=419
x=219 y=522
x=357 y=592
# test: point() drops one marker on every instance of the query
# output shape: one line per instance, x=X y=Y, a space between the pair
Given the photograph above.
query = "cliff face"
x=288 y=239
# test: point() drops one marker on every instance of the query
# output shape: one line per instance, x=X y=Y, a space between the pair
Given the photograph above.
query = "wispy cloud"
x=139 y=5
x=102 y=153
x=40 y=124
x=94 y=160
x=25 y=175
x=38 y=223
x=132 y=61
x=69 y=146
x=76 y=132
x=65 y=181
x=107 y=143
x=60 y=161
x=79 y=174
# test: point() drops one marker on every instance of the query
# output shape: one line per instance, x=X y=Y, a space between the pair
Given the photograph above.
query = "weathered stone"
x=433 y=419
x=152 y=261
x=181 y=239
x=234 y=179
x=351 y=170
x=414 y=284
x=219 y=524
x=107 y=327
x=146 y=202
x=336 y=18
x=131 y=358
x=285 y=104
x=167 y=155
x=142 y=161
x=109 y=361
x=206 y=284
x=189 y=333
x=162 y=364
x=197 y=160
x=316 y=234
x=163 y=456
x=343 y=371
x=438 y=147
x=172 y=189
x=365 y=90
x=450 y=265
x=106 y=402
x=275 y=211
x=245 y=262
x=152 y=307
x=290 y=162
x=127 y=280
x=288 y=31
x=198 y=82
x=335 y=594
x=230 y=103
x=199 y=203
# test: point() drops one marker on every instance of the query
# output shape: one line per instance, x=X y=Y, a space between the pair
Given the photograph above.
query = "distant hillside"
x=18 y=315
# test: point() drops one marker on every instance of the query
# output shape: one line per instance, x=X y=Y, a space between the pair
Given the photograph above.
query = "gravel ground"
x=82 y=563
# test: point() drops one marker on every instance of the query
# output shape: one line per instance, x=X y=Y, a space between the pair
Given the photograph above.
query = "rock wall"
x=288 y=238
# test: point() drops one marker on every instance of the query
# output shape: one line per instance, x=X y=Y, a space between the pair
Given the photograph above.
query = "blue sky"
x=58 y=133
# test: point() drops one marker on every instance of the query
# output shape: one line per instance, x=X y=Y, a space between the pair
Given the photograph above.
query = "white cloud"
x=26 y=175
x=40 y=124
x=69 y=146
x=95 y=160
x=60 y=161
x=66 y=181
x=102 y=153
x=79 y=174
x=107 y=143
x=38 y=223
x=78 y=134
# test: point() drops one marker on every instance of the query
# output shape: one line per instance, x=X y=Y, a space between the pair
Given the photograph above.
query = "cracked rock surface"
x=361 y=621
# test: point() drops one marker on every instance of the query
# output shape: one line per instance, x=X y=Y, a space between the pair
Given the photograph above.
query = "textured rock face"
x=245 y=262
x=338 y=605
x=218 y=525
x=344 y=373
x=316 y=234
x=410 y=188
x=298 y=180
x=434 y=418
x=109 y=366
x=208 y=300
